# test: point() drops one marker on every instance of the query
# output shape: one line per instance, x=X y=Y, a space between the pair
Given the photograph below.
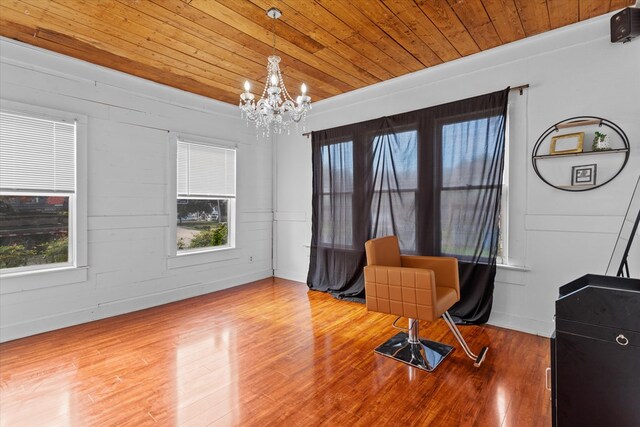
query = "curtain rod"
x=520 y=88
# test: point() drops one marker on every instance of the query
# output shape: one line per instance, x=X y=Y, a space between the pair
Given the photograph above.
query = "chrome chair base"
x=423 y=354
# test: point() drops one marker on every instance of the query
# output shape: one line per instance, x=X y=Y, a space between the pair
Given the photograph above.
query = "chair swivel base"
x=425 y=355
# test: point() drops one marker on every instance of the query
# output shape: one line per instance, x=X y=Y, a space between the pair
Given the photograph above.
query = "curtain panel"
x=432 y=177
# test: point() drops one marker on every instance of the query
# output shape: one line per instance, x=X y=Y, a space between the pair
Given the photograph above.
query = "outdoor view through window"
x=206 y=191
x=37 y=191
x=34 y=230
x=465 y=181
x=202 y=223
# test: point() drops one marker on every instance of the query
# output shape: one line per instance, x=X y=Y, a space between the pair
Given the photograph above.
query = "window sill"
x=513 y=267
x=188 y=259
x=512 y=274
x=39 y=279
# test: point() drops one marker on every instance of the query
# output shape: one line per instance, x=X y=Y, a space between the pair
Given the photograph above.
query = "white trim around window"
x=78 y=221
x=185 y=258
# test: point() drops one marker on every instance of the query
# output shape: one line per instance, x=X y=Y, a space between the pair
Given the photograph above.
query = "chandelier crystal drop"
x=276 y=108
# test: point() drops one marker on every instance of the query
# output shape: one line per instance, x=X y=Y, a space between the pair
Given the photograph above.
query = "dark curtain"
x=432 y=177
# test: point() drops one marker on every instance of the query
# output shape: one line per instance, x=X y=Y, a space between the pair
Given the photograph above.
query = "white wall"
x=556 y=235
x=128 y=124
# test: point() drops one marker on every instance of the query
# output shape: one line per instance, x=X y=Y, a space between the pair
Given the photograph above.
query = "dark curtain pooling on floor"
x=432 y=177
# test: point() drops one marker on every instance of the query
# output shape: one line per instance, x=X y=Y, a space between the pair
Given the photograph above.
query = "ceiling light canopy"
x=275 y=108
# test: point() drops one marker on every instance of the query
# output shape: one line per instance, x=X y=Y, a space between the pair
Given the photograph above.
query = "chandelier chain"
x=275 y=21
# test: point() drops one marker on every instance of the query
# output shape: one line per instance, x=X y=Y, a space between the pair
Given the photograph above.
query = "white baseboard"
x=296 y=276
x=522 y=324
x=115 y=308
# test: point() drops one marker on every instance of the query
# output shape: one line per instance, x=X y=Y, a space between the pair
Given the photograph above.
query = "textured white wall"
x=556 y=235
x=128 y=202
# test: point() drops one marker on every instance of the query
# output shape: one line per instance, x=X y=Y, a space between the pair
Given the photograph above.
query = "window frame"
x=503 y=226
x=172 y=187
x=323 y=194
x=77 y=221
x=407 y=128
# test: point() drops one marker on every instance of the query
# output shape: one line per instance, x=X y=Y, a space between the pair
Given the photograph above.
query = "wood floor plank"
x=267 y=353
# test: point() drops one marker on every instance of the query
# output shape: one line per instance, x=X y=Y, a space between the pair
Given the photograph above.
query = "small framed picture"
x=583 y=175
x=565 y=144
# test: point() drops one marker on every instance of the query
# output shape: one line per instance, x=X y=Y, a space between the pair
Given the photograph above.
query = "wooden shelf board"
x=578 y=123
x=584 y=153
x=576 y=187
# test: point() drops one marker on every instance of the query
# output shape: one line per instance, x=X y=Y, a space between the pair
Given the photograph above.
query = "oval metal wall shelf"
x=576 y=122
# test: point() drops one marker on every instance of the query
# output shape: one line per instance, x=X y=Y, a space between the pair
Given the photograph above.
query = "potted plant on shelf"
x=601 y=142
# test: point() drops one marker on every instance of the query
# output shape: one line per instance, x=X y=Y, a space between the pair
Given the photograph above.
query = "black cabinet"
x=595 y=353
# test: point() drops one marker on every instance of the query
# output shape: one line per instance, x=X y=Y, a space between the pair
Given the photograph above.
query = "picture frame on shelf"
x=584 y=174
x=567 y=144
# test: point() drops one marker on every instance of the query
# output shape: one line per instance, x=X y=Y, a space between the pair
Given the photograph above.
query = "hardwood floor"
x=267 y=353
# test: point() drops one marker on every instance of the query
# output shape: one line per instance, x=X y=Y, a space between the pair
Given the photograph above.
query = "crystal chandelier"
x=275 y=106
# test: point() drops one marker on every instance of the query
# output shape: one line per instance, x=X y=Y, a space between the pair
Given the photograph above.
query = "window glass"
x=202 y=223
x=465 y=176
x=37 y=191
x=206 y=192
x=395 y=174
x=336 y=222
x=34 y=230
x=395 y=161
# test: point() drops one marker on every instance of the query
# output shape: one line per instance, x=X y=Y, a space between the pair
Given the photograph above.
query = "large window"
x=336 y=224
x=466 y=177
x=37 y=192
x=395 y=183
x=206 y=191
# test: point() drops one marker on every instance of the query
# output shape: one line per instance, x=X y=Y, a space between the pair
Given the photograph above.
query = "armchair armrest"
x=403 y=291
x=444 y=268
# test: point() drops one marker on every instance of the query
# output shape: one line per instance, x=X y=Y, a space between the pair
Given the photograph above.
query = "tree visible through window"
x=37 y=191
x=206 y=191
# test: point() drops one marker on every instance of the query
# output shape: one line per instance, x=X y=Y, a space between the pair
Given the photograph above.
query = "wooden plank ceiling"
x=210 y=47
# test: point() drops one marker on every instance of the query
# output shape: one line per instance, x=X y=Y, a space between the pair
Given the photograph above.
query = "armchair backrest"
x=383 y=251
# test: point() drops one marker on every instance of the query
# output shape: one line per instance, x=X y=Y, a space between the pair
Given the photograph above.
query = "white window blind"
x=204 y=170
x=36 y=154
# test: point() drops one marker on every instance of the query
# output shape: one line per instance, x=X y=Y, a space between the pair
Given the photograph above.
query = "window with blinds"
x=37 y=191
x=206 y=191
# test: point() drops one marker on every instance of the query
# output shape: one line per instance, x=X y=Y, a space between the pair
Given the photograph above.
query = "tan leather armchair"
x=416 y=287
